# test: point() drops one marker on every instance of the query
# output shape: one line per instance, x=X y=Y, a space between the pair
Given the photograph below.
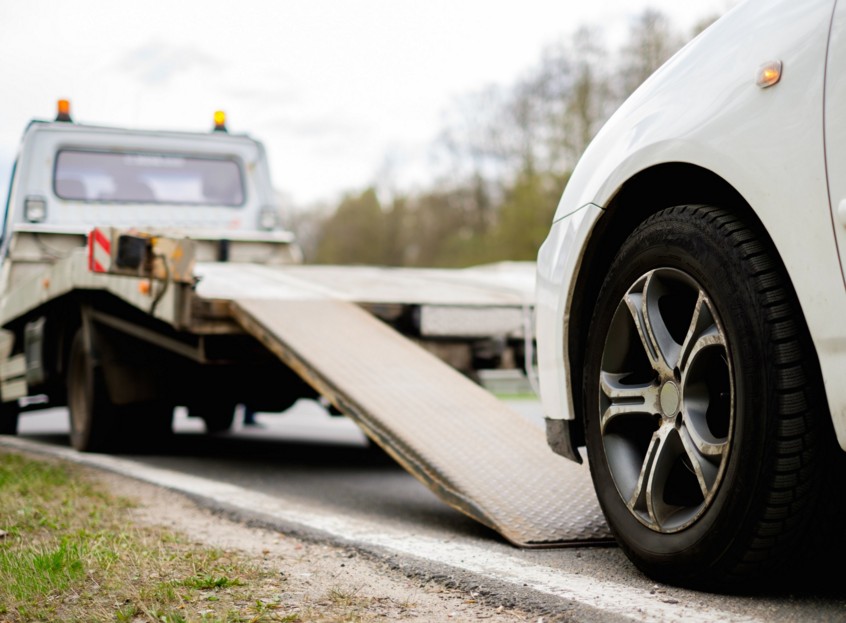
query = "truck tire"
x=9 y=412
x=149 y=425
x=218 y=417
x=92 y=415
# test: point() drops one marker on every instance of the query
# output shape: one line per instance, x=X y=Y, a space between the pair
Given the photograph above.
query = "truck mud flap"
x=467 y=446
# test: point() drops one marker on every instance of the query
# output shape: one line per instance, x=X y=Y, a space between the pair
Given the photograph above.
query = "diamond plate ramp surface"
x=466 y=445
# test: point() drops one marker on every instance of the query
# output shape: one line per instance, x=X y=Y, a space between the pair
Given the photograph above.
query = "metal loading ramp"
x=466 y=445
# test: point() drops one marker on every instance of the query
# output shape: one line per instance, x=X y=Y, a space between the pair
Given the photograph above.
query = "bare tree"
x=575 y=87
x=507 y=154
x=651 y=43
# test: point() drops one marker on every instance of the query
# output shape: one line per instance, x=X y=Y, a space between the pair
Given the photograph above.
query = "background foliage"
x=507 y=153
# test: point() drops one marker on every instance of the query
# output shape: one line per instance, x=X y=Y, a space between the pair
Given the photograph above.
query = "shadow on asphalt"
x=354 y=477
x=252 y=449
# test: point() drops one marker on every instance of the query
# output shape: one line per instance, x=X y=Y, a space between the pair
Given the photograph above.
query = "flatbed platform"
x=457 y=438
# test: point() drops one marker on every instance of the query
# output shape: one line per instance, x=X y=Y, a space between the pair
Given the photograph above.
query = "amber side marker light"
x=219 y=121
x=63 y=111
x=769 y=74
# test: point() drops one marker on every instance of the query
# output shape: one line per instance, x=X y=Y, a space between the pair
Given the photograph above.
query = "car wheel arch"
x=647 y=192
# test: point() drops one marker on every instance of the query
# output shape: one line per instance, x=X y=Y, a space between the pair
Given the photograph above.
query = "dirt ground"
x=306 y=573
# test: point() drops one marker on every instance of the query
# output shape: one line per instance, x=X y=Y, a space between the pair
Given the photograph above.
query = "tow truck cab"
x=70 y=177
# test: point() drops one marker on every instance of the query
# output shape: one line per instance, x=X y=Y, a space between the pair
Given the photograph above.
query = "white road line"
x=609 y=597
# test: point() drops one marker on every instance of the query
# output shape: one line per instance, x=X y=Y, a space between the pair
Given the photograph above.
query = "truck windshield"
x=147 y=178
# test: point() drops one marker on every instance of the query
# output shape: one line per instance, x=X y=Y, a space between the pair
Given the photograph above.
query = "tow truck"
x=144 y=270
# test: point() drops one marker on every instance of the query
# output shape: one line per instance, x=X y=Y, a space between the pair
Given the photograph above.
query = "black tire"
x=9 y=415
x=703 y=437
x=92 y=416
x=217 y=417
x=158 y=418
x=148 y=426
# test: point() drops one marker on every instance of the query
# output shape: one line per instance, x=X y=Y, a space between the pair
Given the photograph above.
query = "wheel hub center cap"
x=670 y=398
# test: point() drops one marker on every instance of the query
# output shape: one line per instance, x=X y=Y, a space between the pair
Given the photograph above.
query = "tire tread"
x=793 y=475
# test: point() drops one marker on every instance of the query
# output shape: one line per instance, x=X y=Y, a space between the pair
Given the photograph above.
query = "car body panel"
x=560 y=255
x=704 y=108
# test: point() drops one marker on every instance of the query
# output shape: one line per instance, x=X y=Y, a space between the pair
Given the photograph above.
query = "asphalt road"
x=318 y=476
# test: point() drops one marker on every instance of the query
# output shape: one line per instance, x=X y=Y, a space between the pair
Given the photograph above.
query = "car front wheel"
x=702 y=402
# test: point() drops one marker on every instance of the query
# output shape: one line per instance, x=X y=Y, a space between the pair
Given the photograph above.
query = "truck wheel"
x=9 y=412
x=218 y=418
x=702 y=418
x=148 y=425
x=160 y=419
x=92 y=416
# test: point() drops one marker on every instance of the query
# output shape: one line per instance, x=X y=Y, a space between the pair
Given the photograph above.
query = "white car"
x=691 y=307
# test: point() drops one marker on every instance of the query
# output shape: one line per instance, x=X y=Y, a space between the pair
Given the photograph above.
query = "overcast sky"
x=332 y=87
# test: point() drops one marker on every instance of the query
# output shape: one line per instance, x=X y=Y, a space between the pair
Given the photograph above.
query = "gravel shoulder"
x=311 y=576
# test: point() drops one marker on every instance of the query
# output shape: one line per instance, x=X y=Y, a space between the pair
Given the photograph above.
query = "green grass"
x=70 y=554
x=209 y=582
x=516 y=396
x=40 y=570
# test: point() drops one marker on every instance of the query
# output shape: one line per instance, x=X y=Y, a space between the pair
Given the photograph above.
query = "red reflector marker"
x=99 y=251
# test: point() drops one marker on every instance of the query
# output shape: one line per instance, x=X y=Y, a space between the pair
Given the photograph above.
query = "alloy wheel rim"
x=666 y=400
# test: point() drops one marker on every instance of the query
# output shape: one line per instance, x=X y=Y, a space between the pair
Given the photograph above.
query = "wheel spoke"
x=655 y=483
x=634 y=303
x=698 y=432
x=626 y=399
x=666 y=347
x=660 y=347
x=648 y=496
x=639 y=500
x=707 y=401
x=703 y=332
x=701 y=455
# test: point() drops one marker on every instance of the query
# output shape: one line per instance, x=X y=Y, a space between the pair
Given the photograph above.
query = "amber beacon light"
x=63 y=110
x=219 y=121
